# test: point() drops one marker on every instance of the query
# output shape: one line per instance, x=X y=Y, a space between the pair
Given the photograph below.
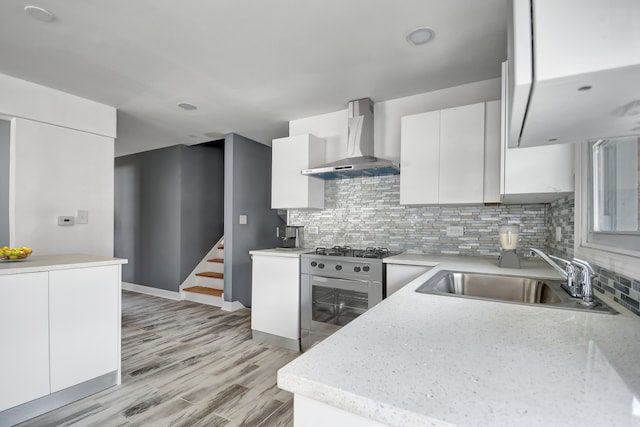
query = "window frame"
x=603 y=253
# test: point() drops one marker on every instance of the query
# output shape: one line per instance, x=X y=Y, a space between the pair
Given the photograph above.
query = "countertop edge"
x=354 y=403
x=40 y=263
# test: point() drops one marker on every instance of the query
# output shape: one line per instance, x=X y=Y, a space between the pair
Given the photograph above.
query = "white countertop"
x=419 y=359
x=284 y=252
x=36 y=263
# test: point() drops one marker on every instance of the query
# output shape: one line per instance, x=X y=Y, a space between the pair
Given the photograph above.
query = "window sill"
x=623 y=262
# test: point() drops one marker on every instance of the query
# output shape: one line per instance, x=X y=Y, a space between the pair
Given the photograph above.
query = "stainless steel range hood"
x=360 y=160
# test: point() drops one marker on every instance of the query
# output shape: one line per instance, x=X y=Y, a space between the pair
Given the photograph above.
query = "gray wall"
x=5 y=131
x=168 y=212
x=247 y=192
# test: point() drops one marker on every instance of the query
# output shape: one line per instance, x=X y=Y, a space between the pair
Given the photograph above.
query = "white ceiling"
x=249 y=65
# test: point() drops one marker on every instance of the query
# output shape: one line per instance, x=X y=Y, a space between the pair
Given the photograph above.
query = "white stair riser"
x=209 y=282
x=203 y=299
x=215 y=267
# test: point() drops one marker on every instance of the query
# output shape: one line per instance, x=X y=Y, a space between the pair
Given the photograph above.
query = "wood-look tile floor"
x=186 y=364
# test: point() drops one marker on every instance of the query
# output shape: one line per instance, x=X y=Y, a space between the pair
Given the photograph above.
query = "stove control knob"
x=365 y=268
x=338 y=267
x=313 y=263
x=356 y=269
x=321 y=265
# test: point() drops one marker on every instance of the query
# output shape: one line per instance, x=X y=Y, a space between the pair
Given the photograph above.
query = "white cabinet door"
x=492 y=151
x=84 y=306
x=442 y=156
x=275 y=295
x=289 y=188
x=420 y=158
x=462 y=155
x=399 y=275
x=24 y=333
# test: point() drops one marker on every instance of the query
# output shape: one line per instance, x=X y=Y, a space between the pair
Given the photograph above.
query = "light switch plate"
x=243 y=220
x=455 y=231
x=313 y=230
x=82 y=217
x=66 y=220
x=558 y=234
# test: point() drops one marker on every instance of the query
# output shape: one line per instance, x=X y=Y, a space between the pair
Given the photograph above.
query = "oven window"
x=337 y=306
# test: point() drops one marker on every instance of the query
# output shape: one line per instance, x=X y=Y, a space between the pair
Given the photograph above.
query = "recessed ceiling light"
x=39 y=13
x=187 y=106
x=420 y=36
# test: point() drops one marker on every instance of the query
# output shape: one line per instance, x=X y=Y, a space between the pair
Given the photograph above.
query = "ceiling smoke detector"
x=187 y=106
x=420 y=36
x=39 y=13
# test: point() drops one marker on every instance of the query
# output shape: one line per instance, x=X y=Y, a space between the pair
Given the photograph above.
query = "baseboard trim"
x=148 y=290
x=266 y=338
x=58 y=399
x=232 y=305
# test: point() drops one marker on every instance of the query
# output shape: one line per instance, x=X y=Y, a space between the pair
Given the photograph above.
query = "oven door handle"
x=349 y=285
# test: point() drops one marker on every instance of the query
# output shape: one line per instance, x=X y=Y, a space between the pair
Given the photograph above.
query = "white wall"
x=57 y=171
x=31 y=101
x=387 y=114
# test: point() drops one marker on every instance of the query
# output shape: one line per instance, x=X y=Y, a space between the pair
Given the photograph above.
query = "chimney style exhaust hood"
x=360 y=161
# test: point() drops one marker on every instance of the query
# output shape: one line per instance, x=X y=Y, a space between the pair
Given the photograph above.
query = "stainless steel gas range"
x=337 y=285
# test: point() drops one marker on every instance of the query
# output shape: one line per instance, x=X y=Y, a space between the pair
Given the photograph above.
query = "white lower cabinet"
x=83 y=308
x=399 y=275
x=24 y=328
x=58 y=329
x=275 y=300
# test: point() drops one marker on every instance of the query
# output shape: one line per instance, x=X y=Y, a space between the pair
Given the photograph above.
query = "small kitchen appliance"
x=337 y=284
x=292 y=236
x=509 y=243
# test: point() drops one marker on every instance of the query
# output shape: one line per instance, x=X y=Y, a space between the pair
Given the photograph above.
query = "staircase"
x=205 y=284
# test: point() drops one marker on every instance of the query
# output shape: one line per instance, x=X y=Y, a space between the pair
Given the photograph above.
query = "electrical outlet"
x=455 y=231
x=66 y=220
x=558 y=234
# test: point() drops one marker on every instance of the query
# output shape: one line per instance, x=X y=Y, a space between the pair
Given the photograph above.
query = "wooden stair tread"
x=219 y=260
x=211 y=274
x=203 y=290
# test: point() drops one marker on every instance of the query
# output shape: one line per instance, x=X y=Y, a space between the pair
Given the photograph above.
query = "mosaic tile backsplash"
x=623 y=290
x=362 y=212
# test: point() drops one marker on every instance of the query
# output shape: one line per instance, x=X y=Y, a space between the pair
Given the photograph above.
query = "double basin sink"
x=510 y=289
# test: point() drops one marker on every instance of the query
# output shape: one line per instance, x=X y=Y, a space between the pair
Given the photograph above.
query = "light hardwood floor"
x=186 y=364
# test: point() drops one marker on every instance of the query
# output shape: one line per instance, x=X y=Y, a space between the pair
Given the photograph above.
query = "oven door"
x=332 y=303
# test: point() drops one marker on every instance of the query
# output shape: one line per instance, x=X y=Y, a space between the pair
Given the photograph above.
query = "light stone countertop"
x=283 y=252
x=37 y=263
x=419 y=359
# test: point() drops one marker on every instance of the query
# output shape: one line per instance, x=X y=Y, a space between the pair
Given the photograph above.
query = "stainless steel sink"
x=511 y=289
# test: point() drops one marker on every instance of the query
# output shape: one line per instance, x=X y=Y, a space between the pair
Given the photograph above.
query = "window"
x=614 y=196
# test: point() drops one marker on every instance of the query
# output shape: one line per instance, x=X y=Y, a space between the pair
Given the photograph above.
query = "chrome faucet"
x=586 y=281
x=582 y=288
x=550 y=261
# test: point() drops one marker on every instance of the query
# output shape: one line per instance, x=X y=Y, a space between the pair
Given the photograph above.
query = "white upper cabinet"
x=420 y=158
x=574 y=70
x=289 y=188
x=442 y=156
x=534 y=174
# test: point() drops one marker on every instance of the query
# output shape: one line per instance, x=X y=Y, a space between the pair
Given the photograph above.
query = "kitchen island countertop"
x=37 y=263
x=419 y=359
